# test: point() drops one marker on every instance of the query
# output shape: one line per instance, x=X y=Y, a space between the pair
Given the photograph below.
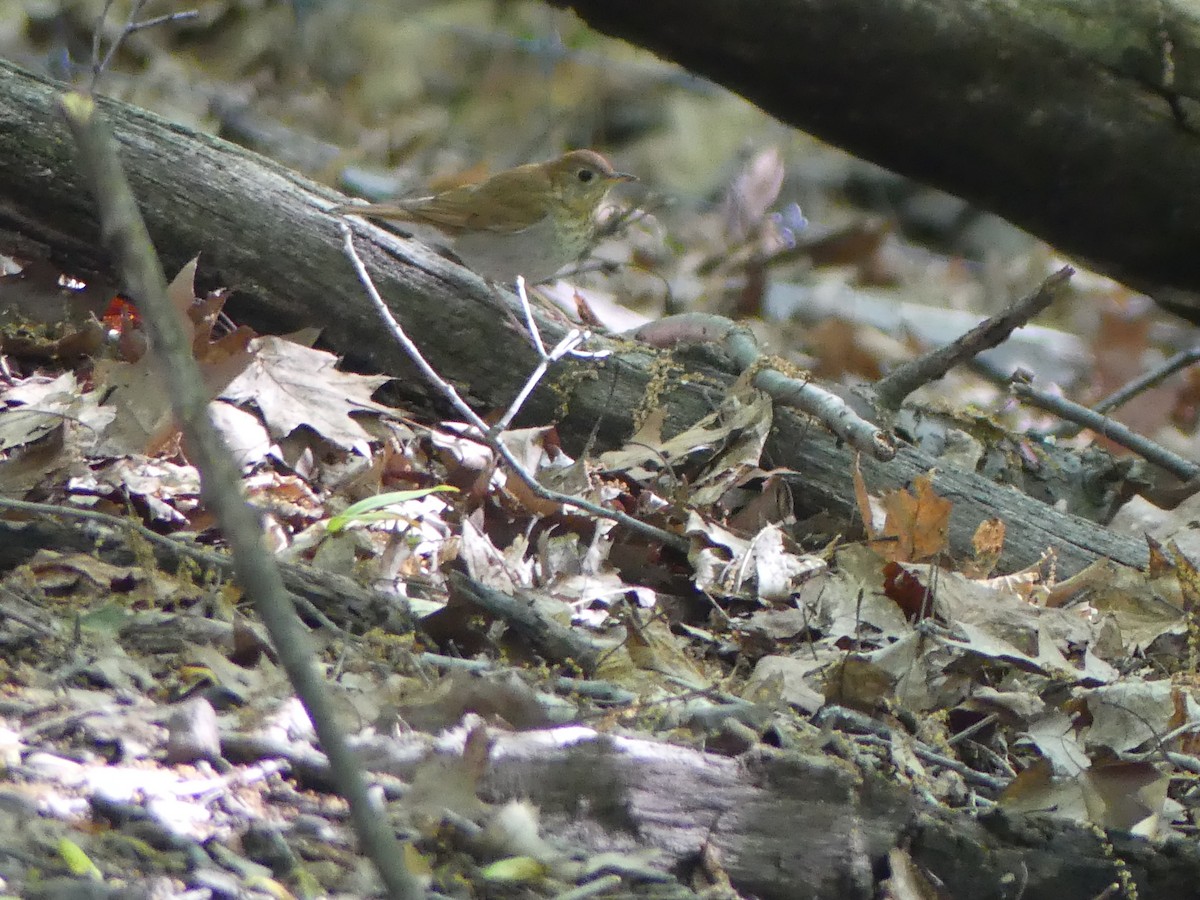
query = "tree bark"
x=262 y=230
x=784 y=825
x=1075 y=119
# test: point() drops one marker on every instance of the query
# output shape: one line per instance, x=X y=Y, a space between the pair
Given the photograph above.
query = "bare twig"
x=11 y=609
x=739 y=342
x=165 y=19
x=565 y=347
x=535 y=333
x=131 y=26
x=1127 y=392
x=891 y=390
x=554 y=640
x=604 y=692
x=874 y=733
x=124 y=233
x=485 y=433
x=1151 y=379
x=1109 y=428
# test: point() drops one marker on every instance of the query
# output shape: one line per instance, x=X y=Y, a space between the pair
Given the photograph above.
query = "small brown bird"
x=530 y=221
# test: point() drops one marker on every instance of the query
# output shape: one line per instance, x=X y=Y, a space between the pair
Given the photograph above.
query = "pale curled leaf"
x=294 y=386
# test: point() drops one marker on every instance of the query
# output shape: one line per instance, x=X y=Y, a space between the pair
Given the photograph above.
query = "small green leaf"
x=111 y=618
x=515 y=870
x=374 y=509
x=77 y=861
x=78 y=105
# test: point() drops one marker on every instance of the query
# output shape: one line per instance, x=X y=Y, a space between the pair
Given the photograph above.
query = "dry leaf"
x=988 y=542
x=917 y=526
x=294 y=386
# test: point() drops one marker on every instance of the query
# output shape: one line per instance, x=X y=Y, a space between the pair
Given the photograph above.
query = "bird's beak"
x=623 y=176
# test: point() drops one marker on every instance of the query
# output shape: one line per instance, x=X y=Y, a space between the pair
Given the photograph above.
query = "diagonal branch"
x=1077 y=121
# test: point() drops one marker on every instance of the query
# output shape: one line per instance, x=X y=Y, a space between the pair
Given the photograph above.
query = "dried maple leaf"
x=916 y=526
x=293 y=386
x=135 y=389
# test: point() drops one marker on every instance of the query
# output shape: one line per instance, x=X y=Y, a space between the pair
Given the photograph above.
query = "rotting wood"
x=262 y=230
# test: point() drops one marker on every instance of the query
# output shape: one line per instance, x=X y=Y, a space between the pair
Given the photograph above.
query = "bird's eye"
x=585 y=175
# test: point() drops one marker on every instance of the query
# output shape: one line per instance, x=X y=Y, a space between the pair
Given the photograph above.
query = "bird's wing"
x=506 y=203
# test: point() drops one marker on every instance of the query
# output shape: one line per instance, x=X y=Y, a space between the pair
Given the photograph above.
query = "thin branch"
x=1127 y=392
x=1151 y=379
x=565 y=347
x=97 y=36
x=124 y=234
x=535 y=333
x=166 y=19
x=131 y=26
x=1109 y=428
x=603 y=692
x=891 y=390
x=832 y=411
x=472 y=418
x=558 y=642
x=572 y=339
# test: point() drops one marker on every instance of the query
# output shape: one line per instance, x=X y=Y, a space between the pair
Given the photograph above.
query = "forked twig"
x=486 y=434
x=891 y=390
x=132 y=25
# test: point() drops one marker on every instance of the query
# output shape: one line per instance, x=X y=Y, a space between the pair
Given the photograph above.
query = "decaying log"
x=785 y=825
x=263 y=231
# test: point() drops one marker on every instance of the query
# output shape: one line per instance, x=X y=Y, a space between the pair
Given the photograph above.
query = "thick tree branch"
x=1079 y=122
x=263 y=231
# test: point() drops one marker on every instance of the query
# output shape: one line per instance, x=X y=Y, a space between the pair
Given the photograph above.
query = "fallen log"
x=265 y=232
x=784 y=825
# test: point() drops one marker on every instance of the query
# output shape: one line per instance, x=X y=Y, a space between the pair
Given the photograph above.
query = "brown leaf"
x=859 y=684
x=906 y=590
x=917 y=524
x=1125 y=795
x=988 y=542
x=1159 y=563
x=868 y=507
x=1189 y=578
x=135 y=389
x=836 y=346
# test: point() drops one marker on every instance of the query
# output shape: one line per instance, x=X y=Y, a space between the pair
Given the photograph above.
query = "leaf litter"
x=1073 y=697
x=750 y=634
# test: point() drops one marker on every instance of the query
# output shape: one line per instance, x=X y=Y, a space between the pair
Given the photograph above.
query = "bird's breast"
x=536 y=252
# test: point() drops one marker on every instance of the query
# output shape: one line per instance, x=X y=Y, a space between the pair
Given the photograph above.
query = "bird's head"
x=582 y=178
